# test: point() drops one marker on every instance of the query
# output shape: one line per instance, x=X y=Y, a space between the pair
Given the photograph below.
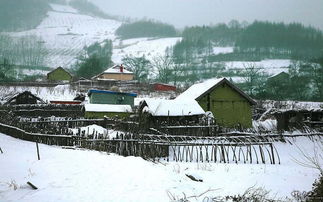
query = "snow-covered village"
x=105 y=100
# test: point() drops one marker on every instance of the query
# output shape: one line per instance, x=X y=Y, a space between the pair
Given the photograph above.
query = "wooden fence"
x=60 y=140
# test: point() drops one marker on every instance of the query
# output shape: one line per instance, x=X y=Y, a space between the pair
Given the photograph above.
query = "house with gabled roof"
x=25 y=97
x=231 y=107
x=59 y=74
x=117 y=72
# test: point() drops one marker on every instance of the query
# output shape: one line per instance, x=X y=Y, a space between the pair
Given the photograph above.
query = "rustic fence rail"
x=60 y=140
x=246 y=148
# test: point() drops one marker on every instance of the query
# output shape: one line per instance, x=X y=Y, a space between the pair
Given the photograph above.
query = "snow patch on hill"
x=270 y=67
x=148 y=47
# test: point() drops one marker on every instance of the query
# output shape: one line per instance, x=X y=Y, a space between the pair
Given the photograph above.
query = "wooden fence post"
x=37 y=150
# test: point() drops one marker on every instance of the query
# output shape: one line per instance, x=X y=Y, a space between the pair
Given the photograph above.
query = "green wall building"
x=230 y=106
x=109 y=103
x=59 y=74
x=111 y=97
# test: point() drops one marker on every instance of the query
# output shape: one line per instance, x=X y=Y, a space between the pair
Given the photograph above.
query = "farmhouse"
x=117 y=72
x=111 y=97
x=59 y=74
x=108 y=110
x=230 y=106
x=24 y=98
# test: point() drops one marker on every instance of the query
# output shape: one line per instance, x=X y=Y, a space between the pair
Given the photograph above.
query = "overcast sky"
x=183 y=13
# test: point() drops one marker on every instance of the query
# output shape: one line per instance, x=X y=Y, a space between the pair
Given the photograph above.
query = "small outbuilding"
x=155 y=112
x=25 y=97
x=106 y=110
x=117 y=72
x=230 y=106
x=111 y=97
x=292 y=115
x=59 y=74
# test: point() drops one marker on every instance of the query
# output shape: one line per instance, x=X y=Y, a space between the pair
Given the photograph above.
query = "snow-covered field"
x=83 y=175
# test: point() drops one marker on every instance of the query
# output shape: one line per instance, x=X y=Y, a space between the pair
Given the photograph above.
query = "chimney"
x=121 y=68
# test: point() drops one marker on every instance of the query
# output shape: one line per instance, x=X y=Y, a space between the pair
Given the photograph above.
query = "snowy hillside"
x=65 y=32
x=83 y=175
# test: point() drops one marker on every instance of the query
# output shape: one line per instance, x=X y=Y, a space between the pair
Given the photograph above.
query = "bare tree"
x=164 y=66
x=139 y=66
x=252 y=76
x=31 y=50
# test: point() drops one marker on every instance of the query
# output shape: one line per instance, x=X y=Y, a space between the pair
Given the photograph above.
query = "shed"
x=117 y=72
x=111 y=97
x=59 y=74
x=109 y=110
x=293 y=114
x=172 y=112
x=230 y=106
x=25 y=97
x=277 y=85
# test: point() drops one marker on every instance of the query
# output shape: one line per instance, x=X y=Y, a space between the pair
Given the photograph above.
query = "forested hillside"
x=16 y=15
x=278 y=38
x=257 y=41
x=145 y=28
x=88 y=8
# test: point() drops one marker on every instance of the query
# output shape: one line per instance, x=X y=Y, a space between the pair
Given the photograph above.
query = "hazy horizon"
x=181 y=13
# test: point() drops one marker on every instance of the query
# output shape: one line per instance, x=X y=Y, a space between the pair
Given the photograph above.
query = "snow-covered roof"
x=198 y=90
x=292 y=105
x=117 y=70
x=279 y=73
x=160 y=107
x=107 y=108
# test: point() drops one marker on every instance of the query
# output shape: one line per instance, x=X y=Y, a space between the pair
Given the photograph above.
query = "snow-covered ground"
x=218 y=50
x=83 y=175
x=270 y=67
x=60 y=92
